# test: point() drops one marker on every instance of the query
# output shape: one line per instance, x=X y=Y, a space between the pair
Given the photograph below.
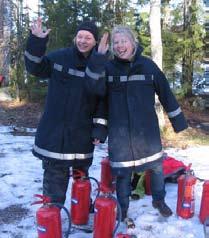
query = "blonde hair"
x=127 y=32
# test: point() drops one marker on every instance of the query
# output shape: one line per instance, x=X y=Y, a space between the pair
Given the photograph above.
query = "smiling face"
x=85 y=41
x=122 y=46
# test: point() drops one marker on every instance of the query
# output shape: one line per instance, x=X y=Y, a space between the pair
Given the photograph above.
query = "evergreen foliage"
x=182 y=36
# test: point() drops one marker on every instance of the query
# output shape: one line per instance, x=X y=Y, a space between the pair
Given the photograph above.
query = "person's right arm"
x=36 y=63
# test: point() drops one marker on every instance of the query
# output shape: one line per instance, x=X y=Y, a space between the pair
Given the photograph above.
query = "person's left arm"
x=169 y=102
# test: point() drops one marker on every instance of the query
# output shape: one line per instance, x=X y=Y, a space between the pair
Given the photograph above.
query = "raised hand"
x=37 y=29
x=103 y=45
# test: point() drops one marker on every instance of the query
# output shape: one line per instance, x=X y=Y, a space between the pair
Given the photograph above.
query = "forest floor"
x=25 y=114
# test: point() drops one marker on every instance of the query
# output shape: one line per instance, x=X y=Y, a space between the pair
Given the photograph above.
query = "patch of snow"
x=21 y=177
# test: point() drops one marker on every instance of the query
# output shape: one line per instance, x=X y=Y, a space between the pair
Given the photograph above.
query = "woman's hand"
x=37 y=29
x=103 y=45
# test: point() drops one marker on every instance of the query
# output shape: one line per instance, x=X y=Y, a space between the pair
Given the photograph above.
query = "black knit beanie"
x=89 y=26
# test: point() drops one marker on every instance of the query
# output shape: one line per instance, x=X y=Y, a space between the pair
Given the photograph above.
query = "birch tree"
x=155 y=31
x=156 y=46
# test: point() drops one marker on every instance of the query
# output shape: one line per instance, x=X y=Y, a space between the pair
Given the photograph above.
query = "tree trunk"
x=156 y=47
x=5 y=32
x=188 y=59
x=1 y=18
x=155 y=31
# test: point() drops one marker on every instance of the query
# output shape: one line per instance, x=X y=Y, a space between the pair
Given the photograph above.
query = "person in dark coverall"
x=73 y=120
x=133 y=131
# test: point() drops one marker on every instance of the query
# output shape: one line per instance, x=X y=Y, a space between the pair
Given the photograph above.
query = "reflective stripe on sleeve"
x=33 y=58
x=58 y=67
x=174 y=113
x=93 y=75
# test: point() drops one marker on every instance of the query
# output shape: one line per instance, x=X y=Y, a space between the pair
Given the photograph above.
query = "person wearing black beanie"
x=73 y=120
x=89 y=26
x=86 y=37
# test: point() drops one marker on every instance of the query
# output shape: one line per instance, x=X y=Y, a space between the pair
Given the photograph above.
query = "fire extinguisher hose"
x=98 y=188
x=200 y=179
x=59 y=205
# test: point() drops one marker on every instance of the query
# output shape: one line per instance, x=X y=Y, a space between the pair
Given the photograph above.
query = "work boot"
x=162 y=207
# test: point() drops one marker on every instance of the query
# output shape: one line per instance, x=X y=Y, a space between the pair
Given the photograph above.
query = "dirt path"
x=20 y=114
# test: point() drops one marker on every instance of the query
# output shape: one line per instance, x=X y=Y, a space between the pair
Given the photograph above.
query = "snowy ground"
x=21 y=178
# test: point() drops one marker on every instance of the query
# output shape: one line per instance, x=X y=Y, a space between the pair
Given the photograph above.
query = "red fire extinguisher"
x=106 y=208
x=204 y=207
x=49 y=219
x=107 y=183
x=186 y=200
x=148 y=182
x=80 y=197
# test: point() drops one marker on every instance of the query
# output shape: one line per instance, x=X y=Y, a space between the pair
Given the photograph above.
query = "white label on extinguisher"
x=74 y=201
x=95 y=210
x=186 y=205
x=41 y=229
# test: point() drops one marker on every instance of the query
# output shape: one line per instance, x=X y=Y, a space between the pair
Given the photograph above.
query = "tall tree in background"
x=156 y=46
x=5 y=34
x=20 y=20
x=1 y=18
x=143 y=32
x=115 y=12
x=172 y=50
x=193 y=42
x=155 y=31
x=182 y=42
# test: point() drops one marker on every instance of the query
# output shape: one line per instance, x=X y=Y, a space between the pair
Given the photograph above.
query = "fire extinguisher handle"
x=189 y=167
x=43 y=199
x=76 y=174
x=59 y=205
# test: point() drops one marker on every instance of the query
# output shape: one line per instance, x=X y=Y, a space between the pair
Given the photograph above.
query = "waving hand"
x=103 y=45
x=37 y=29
